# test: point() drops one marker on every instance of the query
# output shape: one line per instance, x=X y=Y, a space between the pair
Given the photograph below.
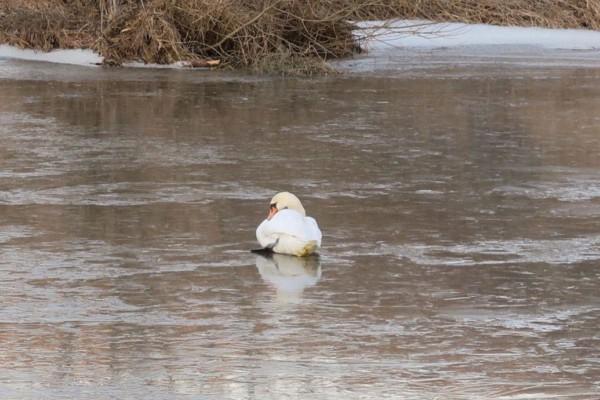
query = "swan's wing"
x=313 y=231
x=288 y=223
x=265 y=235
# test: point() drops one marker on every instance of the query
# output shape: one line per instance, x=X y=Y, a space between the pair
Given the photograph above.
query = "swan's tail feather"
x=308 y=248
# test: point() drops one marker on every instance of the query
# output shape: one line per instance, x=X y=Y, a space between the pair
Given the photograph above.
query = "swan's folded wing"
x=265 y=236
x=313 y=231
x=288 y=222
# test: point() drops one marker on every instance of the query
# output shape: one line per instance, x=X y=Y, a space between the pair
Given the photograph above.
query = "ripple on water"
x=563 y=184
x=135 y=193
x=519 y=322
x=10 y=232
x=49 y=148
x=553 y=251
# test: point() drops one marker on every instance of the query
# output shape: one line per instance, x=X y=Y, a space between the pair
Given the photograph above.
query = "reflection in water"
x=461 y=208
x=289 y=275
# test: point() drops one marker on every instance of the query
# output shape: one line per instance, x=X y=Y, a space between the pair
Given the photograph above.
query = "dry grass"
x=239 y=33
x=543 y=13
x=47 y=24
x=266 y=35
x=286 y=35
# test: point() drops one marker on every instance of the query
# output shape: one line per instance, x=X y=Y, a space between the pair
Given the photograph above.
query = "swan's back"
x=290 y=232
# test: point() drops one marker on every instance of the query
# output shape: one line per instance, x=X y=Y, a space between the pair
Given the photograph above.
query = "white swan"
x=287 y=229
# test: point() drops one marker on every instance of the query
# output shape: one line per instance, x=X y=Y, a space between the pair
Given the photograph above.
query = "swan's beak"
x=272 y=211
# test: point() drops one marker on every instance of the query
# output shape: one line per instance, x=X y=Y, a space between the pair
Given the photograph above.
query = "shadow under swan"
x=289 y=275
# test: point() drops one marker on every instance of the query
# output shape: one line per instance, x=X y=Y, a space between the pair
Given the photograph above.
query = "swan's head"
x=284 y=200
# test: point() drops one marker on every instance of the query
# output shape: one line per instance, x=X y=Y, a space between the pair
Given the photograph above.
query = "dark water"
x=460 y=212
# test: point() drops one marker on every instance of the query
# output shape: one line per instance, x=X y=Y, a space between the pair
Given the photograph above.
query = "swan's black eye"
x=273 y=205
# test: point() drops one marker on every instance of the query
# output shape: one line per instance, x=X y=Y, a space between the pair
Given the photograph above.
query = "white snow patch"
x=383 y=35
x=84 y=57
x=71 y=56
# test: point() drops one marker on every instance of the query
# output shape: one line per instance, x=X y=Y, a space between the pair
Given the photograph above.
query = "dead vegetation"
x=543 y=13
x=265 y=35
x=272 y=35
x=47 y=24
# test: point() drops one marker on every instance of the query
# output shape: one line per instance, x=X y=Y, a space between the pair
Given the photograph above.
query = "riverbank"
x=269 y=36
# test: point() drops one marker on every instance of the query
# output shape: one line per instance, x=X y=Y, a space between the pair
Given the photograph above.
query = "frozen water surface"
x=460 y=205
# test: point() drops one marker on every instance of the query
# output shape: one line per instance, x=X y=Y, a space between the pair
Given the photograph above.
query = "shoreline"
x=271 y=36
x=381 y=39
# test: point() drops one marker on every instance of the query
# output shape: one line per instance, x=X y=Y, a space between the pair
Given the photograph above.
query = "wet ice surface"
x=501 y=59
x=460 y=209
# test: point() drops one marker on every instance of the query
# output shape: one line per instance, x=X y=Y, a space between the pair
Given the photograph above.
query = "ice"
x=69 y=56
x=383 y=35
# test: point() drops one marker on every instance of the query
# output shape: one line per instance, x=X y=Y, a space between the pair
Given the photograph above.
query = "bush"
x=264 y=35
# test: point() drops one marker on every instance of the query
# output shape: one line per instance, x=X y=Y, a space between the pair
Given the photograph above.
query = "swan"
x=287 y=229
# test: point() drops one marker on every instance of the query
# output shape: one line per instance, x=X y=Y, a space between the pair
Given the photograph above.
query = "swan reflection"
x=289 y=275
